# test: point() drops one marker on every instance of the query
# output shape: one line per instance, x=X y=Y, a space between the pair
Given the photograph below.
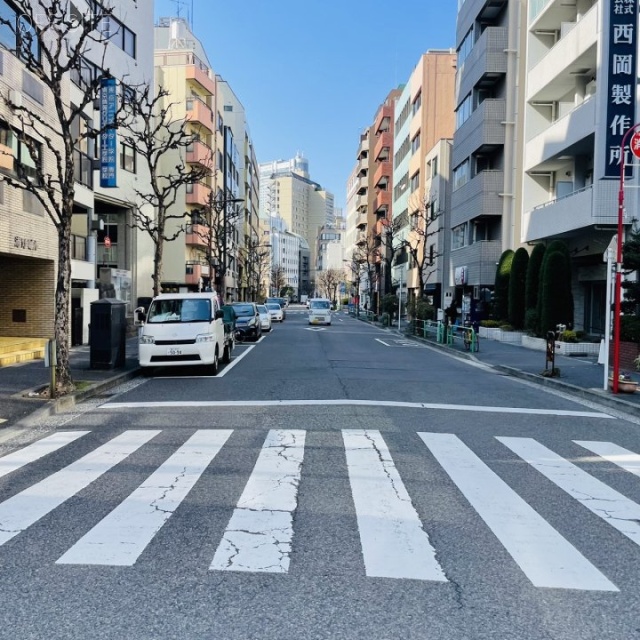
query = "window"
x=415 y=181
x=463 y=111
x=434 y=167
x=417 y=103
x=116 y=32
x=127 y=158
x=415 y=143
x=461 y=175
x=19 y=154
x=458 y=237
x=465 y=47
x=17 y=34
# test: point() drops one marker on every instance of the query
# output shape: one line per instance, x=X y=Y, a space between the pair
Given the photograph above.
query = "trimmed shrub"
x=490 y=324
x=630 y=328
x=390 y=304
x=517 y=285
x=501 y=290
x=531 y=321
x=532 y=283
x=386 y=319
x=568 y=336
x=556 y=303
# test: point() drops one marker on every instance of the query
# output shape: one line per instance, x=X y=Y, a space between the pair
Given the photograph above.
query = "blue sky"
x=310 y=73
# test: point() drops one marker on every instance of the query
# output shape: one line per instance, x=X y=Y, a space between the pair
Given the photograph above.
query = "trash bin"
x=108 y=334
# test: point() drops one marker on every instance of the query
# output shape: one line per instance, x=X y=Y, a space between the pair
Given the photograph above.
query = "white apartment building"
x=581 y=96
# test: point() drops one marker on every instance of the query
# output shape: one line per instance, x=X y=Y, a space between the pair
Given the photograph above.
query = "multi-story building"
x=290 y=194
x=29 y=241
x=381 y=168
x=424 y=115
x=485 y=158
x=581 y=97
x=365 y=217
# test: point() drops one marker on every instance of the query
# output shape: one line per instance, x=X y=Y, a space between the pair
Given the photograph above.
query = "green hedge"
x=630 y=329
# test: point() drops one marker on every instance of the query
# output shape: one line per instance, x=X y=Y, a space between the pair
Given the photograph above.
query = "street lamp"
x=618 y=282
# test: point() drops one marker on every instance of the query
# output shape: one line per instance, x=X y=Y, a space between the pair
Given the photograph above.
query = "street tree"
x=160 y=136
x=364 y=257
x=278 y=279
x=421 y=242
x=257 y=261
x=54 y=39
x=329 y=281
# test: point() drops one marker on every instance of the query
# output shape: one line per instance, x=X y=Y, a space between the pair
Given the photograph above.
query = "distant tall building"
x=287 y=192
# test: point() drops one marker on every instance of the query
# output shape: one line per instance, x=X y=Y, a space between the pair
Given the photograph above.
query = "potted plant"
x=625 y=383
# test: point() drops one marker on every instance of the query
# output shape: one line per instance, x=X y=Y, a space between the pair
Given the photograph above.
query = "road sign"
x=107 y=242
x=635 y=144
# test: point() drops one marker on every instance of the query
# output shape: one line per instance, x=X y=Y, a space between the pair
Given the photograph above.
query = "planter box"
x=624 y=386
x=491 y=333
x=563 y=348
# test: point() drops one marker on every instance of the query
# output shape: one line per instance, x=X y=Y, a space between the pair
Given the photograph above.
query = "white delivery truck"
x=182 y=329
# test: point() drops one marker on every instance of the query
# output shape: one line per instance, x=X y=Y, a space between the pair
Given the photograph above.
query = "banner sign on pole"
x=108 y=137
x=621 y=82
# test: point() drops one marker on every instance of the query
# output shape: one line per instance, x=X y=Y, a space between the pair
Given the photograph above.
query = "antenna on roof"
x=184 y=3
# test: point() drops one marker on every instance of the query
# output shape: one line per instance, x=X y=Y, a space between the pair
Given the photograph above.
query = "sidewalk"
x=18 y=381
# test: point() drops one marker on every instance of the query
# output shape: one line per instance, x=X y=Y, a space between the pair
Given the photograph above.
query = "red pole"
x=618 y=282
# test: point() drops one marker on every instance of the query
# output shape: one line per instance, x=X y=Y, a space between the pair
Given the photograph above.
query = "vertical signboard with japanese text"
x=621 y=84
x=108 y=137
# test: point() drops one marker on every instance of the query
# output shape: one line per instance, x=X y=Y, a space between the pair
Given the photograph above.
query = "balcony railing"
x=197 y=235
x=200 y=153
x=199 y=112
x=481 y=196
x=198 y=194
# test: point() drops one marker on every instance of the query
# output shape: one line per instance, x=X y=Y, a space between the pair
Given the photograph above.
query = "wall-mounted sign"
x=621 y=82
x=25 y=243
x=460 y=276
x=108 y=134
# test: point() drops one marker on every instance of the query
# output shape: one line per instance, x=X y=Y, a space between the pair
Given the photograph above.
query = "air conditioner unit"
x=15 y=97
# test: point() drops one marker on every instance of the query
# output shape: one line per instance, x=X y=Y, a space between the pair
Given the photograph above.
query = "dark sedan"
x=247 y=321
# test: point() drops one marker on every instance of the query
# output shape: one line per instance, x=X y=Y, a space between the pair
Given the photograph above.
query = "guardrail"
x=446 y=333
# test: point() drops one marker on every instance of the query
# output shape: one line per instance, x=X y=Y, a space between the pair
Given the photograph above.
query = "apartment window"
x=463 y=111
x=461 y=175
x=84 y=74
x=415 y=181
x=465 y=47
x=16 y=34
x=434 y=167
x=458 y=237
x=415 y=143
x=127 y=158
x=417 y=103
x=19 y=154
x=116 y=32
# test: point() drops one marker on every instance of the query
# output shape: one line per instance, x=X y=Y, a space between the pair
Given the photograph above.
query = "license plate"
x=172 y=351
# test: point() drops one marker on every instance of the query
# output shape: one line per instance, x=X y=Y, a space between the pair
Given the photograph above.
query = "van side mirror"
x=140 y=316
x=219 y=314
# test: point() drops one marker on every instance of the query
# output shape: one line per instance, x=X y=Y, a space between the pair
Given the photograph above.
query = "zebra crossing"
x=260 y=535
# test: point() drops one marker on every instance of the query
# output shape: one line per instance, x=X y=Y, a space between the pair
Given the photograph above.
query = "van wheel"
x=212 y=369
x=226 y=356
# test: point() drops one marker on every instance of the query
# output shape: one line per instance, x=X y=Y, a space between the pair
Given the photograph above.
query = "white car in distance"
x=275 y=311
x=265 y=317
x=320 y=311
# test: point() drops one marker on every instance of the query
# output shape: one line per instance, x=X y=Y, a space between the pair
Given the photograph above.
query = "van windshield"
x=179 y=310
x=320 y=304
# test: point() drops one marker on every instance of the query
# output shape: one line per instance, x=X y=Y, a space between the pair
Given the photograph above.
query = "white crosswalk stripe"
x=122 y=536
x=258 y=537
x=394 y=544
x=394 y=536
x=25 y=508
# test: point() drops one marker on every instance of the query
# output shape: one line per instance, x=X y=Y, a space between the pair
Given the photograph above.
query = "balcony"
x=198 y=194
x=484 y=129
x=383 y=173
x=361 y=219
x=197 y=235
x=199 y=113
x=561 y=135
x=363 y=185
x=383 y=200
x=480 y=258
x=362 y=167
x=200 y=153
x=555 y=75
x=200 y=75
x=193 y=273
x=575 y=211
x=478 y=197
x=383 y=146
x=487 y=61
x=482 y=11
x=362 y=202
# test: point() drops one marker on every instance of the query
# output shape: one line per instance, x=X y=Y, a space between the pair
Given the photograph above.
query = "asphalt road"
x=330 y=483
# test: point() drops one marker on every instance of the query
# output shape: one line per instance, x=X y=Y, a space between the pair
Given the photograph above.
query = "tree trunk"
x=157 y=264
x=64 y=381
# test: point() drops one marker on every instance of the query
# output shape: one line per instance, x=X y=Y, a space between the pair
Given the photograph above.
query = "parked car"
x=229 y=320
x=265 y=317
x=181 y=329
x=275 y=311
x=282 y=302
x=247 y=321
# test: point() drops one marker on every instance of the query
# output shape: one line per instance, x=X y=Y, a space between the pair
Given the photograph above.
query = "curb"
x=53 y=407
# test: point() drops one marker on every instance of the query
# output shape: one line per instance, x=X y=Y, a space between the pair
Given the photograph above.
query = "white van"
x=320 y=311
x=181 y=329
